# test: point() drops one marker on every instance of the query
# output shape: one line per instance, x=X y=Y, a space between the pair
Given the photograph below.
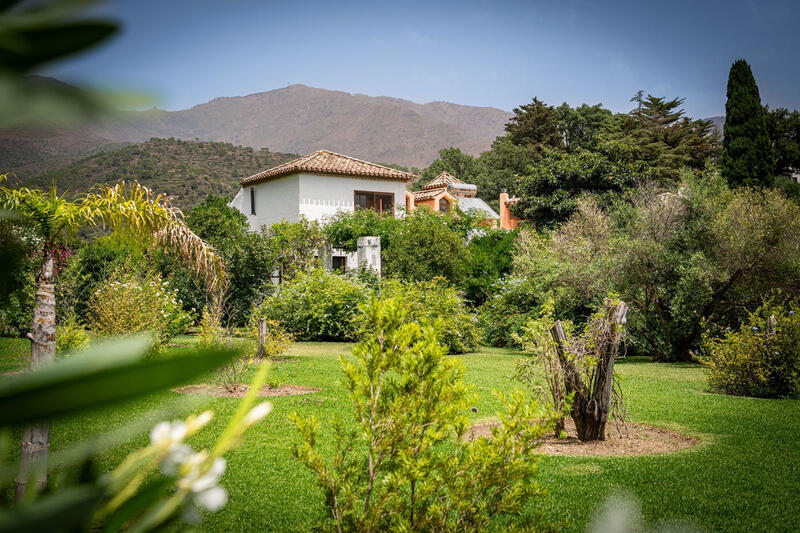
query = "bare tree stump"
x=591 y=403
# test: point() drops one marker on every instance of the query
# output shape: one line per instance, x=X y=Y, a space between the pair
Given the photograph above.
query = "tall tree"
x=535 y=124
x=130 y=208
x=783 y=128
x=658 y=133
x=747 y=157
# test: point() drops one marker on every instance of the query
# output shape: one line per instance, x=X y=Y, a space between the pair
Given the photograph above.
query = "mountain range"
x=294 y=119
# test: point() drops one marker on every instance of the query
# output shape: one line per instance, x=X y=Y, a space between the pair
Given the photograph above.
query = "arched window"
x=252 y=200
x=444 y=205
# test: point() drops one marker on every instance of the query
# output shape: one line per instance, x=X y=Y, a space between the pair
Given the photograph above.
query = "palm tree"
x=129 y=208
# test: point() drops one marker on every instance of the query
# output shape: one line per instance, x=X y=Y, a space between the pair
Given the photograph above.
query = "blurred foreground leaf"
x=106 y=374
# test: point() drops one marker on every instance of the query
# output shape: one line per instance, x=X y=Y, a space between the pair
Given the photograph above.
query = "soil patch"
x=642 y=440
x=12 y=372
x=216 y=390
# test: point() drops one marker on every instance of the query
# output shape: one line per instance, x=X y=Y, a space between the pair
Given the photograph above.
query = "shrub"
x=756 y=360
x=210 y=333
x=425 y=247
x=71 y=336
x=439 y=304
x=406 y=465
x=490 y=258
x=316 y=305
x=129 y=302
x=504 y=315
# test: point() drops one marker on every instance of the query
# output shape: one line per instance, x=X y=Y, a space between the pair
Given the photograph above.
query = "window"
x=252 y=200
x=377 y=201
x=444 y=205
x=339 y=263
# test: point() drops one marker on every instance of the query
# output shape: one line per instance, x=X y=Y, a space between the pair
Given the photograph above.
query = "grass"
x=743 y=476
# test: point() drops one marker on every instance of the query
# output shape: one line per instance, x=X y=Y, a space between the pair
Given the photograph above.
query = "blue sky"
x=498 y=54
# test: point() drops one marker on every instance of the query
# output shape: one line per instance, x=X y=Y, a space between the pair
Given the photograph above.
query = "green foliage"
x=452 y=160
x=188 y=170
x=535 y=124
x=550 y=192
x=344 y=228
x=783 y=128
x=747 y=157
x=316 y=305
x=71 y=336
x=297 y=244
x=676 y=259
x=276 y=339
x=502 y=318
x=406 y=466
x=439 y=304
x=215 y=222
x=543 y=364
x=100 y=377
x=579 y=127
x=658 y=134
x=754 y=361
x=250 y=258
x=490 y=257
x=91 y=264
x=130 y=302
x=425 y=247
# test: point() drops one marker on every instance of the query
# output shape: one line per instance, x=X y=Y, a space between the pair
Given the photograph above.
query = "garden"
x=627 y=359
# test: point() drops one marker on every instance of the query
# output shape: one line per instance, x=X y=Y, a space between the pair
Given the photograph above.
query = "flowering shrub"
x=70 y=336
x=754 y=360
x=439 y=304
x=317 y=305
x=128 y=303
x=276 y=340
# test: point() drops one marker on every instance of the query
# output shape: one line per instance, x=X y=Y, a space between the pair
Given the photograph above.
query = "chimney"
x=503 y=209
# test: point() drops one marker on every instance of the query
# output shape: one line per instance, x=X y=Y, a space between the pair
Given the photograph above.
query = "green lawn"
x=743 y=476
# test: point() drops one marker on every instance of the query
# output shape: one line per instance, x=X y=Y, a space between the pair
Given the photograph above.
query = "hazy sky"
x=498 y=54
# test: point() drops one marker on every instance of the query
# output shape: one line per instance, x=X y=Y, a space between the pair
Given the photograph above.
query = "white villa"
x=323 y=183
x=318 y=185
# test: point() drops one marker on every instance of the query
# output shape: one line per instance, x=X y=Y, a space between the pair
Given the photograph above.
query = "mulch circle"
x=642 y=440
x=266 y=391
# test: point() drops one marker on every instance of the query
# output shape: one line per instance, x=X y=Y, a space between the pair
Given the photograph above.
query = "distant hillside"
x=719 y=123
x=295 y=119
x=187 y=170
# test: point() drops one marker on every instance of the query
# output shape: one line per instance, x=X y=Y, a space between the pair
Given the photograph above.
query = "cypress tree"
x=746 y=150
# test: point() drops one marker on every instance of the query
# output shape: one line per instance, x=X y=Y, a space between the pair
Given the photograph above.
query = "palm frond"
x=133 y=208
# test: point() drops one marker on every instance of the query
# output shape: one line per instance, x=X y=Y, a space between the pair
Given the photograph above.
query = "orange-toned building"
x=446 y=191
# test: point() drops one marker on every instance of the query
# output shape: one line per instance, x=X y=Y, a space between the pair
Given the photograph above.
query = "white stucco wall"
x=276 y=200
x=322 y=195
x=310 y=195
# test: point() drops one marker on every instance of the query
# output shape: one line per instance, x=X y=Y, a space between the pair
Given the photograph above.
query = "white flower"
x=168 y=434
x=256 y=414
x=212 y=499
x=204 y=484
x=172 y=463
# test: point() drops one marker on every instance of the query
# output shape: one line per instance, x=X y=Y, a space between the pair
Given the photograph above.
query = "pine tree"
x=747 y=157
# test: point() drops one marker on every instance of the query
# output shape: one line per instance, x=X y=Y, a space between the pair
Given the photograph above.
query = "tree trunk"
x=36 y=438
x=262 y=338
x=591 y=405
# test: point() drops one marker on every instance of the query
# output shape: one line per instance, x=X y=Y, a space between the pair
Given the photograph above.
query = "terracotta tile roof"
x=325 y=162
x=442 y=180
x=427 y=195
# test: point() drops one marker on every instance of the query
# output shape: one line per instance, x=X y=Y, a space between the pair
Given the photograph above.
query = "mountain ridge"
x=293 y=119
